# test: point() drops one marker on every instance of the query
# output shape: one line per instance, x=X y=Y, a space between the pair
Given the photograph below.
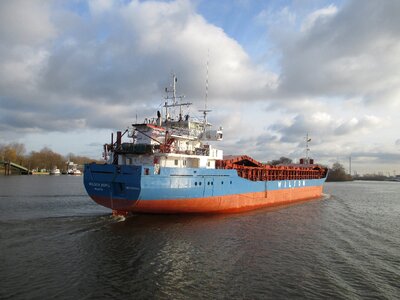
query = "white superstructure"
x=174 y=140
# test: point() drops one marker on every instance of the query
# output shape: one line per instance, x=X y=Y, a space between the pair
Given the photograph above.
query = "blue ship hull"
x=176 y=190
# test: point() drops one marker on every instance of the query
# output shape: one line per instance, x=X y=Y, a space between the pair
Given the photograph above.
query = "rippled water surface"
x=57 y=243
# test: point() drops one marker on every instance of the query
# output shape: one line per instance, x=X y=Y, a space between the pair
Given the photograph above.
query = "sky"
x=72 y=72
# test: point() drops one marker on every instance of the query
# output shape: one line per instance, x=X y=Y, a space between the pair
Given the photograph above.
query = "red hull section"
x=217 y=204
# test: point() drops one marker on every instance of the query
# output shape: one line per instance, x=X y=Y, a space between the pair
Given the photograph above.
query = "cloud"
x=100 y=68
x=353 y=125
x=324 y=126
x=25 y=22
x=25 y=30
x=90 y=65
x=98 y=7
x=264 y=146
x=376 y=157
x=320 y=15
x=346 y=52
x=295 y=129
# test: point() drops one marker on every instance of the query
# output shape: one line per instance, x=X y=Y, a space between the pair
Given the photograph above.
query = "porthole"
x=195 y=183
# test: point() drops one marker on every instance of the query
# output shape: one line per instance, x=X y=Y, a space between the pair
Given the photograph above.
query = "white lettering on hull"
x=291 y=183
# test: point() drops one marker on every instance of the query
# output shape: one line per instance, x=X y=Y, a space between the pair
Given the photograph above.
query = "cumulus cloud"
x=25 y=22
x=324 y=126
x=98 y=7
x=351 y=51
x=354 y=124
x=376 y=157
x=320 y=15
x=103 y=67
x=97 y=64
x=25 y=29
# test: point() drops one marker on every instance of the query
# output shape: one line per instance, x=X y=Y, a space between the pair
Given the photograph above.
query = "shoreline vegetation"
x=39 y=162
x=43 y=161
x=337 y=174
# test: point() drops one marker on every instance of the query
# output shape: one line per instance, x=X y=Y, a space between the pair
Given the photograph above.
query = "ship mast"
x=307 y=148
x=205 y=110
x=174 y=98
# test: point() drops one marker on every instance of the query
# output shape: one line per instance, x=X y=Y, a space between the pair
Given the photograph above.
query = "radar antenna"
x=174 y=98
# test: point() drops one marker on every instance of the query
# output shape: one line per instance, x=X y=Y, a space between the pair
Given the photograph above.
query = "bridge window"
x=176 y=162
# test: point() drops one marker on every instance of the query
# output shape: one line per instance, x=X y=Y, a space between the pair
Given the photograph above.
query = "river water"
x=57 y=243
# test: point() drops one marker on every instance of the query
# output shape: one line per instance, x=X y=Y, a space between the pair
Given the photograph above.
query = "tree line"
x=338 y=173
x=43 y=159
x=48 y=159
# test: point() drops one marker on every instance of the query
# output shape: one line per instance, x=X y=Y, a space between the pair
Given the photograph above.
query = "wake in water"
x=118 y=218
x=326 y=196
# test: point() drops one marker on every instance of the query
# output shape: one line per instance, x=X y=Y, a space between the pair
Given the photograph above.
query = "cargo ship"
x=169 y=164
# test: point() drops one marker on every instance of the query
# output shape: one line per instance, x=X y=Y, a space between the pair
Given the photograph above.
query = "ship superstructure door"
x=266 y=189
x=208 y=186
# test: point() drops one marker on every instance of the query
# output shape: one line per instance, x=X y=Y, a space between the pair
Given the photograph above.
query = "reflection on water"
x=57 y=243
